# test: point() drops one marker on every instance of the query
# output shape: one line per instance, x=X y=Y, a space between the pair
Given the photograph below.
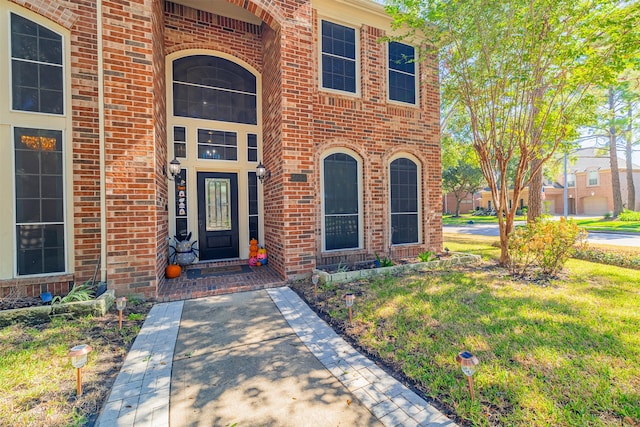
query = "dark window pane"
x=28 y=186
x=341 y=232
x=181 y=227
x=179 y=134
x=27 y=162
x=25 y=99
x=402 y=73
x=253 y=193
x=180 y=150
x=404 y=228
x=24 y=74
x=213 y=72
x=402 y=57
x=402 y=87
x=51 y=78
x=20 y=25
x=404 y=201
x=28 y=210
x=340 y=184
x=52 y=210
x=40 y=248
x=254 y=231
x=50 y=50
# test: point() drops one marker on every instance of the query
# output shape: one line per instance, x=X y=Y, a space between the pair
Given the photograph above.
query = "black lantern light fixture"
x=174 y=169
x=262 y=172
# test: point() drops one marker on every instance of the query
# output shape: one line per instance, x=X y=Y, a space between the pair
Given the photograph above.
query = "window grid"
x=593 y=178
x=404 y=201
x=571 y=180
x=338 y=57
x=180 y=141
x=341 y=202
x=217 y=145
x=252 y=147
x=402 y=73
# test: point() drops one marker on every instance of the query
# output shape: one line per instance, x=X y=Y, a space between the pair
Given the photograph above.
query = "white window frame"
x=597 y=173
x=415 y=80
x=418 y=164
x=359 y=162
x=571 y=180
x=11 y=119
x=357 y=59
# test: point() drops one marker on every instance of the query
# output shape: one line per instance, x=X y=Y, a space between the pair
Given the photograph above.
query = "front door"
x=218 y=215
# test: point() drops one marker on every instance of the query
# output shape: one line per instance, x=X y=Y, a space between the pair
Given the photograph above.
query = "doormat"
x=194 y=273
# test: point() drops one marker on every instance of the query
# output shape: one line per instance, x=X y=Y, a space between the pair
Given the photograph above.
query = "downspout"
x=101 y=136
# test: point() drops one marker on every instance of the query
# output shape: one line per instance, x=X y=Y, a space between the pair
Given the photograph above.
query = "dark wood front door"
x=218 y=215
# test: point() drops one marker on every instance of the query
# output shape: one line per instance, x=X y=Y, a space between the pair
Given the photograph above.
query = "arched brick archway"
x=268 y=11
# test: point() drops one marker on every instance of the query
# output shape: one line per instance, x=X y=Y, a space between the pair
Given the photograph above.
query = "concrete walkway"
x=254 y=358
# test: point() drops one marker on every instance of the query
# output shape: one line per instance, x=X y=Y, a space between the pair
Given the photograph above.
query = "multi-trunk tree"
x=520 y=69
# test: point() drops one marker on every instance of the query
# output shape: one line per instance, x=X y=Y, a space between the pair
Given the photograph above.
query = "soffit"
x=222 y=8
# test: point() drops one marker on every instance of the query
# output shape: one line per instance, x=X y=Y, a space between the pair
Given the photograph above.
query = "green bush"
x=546 y=245
x=628 y=215
x=612 y=256
x=426 y=256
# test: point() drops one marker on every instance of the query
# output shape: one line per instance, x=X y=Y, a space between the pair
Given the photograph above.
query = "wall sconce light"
x=593 y=193
x=262 y=172
x=121 y=303
x=78 y=355
x=468 y=362
x=174 y=169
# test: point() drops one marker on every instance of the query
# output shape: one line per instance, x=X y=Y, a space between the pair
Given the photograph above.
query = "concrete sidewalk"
x=254 y=358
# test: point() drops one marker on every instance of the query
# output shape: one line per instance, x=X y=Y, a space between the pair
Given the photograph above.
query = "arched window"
x=341 y=190
x=214 y=88
x=404 y=201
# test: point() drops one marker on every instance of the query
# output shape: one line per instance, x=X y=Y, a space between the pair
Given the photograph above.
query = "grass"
x=597 y=224
x=37 y=381
x=464 y=219
x=609 y=225
x=563 y=354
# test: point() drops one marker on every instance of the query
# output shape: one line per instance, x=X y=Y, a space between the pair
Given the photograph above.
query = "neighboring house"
x=589 y=190
x=467 y=204
x=98 y=101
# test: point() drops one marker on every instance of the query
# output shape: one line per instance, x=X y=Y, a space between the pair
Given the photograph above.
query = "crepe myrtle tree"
x=520 y=69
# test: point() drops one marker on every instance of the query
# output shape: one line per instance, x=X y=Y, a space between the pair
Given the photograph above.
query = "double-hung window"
x=339 y=65
x=402 y=73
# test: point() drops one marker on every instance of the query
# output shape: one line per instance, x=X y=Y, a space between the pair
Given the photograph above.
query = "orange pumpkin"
x=172 y=271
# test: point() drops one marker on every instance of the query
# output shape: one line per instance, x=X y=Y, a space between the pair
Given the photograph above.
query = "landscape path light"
x=349 y=299
x=315 y=278
x=469 y=363
x=121 y=303
x=78 y=355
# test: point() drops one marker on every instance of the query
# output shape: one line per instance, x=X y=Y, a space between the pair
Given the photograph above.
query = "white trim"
x=597 y=172
x=358 y=61
x=359 y=163
x=193 y=164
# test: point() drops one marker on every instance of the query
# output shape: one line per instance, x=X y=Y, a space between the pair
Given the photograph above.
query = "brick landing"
x=182 y=288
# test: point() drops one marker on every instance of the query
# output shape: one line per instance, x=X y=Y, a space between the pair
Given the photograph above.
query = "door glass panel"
x=218 y=204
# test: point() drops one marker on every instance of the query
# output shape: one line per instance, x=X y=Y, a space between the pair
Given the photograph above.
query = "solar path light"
x=349 y=299
x=315 y=278
x=78 y=355
x=121 y=303
x=468 y=362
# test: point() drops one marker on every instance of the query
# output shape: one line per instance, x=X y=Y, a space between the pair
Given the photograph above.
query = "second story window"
x=36 y=67
x=338 y=57
x=571 y=180
x=592 y=178
x=402 y=73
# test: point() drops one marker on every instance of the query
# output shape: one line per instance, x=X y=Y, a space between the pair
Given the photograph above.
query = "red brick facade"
x=124 y=204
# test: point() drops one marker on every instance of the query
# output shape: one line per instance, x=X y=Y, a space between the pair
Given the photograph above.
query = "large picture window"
x=39 y=201
x=404 y=201
x=338 y=57
x=214 y=88
x=402 y=73
x=36 y=68
x=341 y=202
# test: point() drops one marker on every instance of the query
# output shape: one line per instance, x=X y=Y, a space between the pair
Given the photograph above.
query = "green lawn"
x=37 y=381
x=563 y=354
x=477 y=219
x=598 y=224
x=608 y=225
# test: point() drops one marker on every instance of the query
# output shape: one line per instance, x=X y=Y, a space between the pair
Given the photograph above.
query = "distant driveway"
x=614 y=239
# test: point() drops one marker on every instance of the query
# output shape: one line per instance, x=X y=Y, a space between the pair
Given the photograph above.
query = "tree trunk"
x=631 y=187
x=534 y=209
x=458 y=200
x=613 y=158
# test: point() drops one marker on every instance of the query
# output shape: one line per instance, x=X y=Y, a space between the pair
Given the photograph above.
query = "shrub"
x=628 y=215
x=426 y=256
x=543 y=244
x=620 y=257
x=384 y=262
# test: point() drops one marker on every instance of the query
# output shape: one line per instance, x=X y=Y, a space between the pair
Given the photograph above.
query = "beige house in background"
x=588 y=184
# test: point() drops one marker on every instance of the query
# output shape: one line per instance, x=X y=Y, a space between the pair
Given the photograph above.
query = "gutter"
x=101 y=136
